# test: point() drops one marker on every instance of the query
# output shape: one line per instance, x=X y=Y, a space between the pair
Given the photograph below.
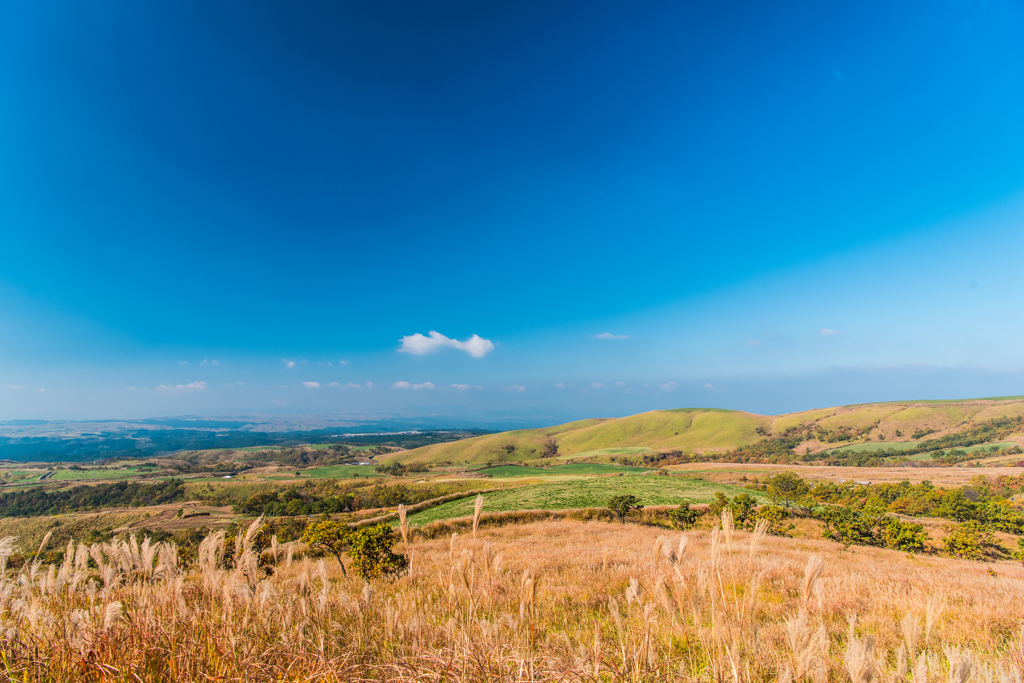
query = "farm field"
x=875 y=446
x=584 y=492
x=340 y=472
x=95 y=474
x=570 y=469
x=603 y=452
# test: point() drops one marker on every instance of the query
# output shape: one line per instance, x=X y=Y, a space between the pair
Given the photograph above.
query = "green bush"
x=970 y=540
x=684 y=517
x=370 y=550
x=777 y=518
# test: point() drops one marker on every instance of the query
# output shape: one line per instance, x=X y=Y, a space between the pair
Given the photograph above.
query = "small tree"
x=787 y=487
x=777 y=519
x=623 y=505
x=329 y=536
x=550 y=449
x=718 y=505
x=684 y=517
x=743 y=509
x=370 y=549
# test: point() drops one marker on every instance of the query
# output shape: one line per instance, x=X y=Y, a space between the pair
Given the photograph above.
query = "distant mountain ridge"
x=704 y=431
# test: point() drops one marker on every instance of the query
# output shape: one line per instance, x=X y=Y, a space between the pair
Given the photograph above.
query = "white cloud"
x=187 y=388
x=343 y=362
x=407 y=385
x=463 y=387
x=311 y=385
x=182 y=362
x=333 y=384
x=288 y=362
x=13 y=386
x=559 y=385
x=369 y=385
x=709 y=386
x=517 y=388
x=42 y=390
x=668 y=387
x=210 y=362
x=753 y=342
x=608 y=335
x=418 y=345
x=133 y=388
x=597 y=385
x=829 y=333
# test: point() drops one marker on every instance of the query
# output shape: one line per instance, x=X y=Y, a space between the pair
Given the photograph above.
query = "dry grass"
x=557 y=600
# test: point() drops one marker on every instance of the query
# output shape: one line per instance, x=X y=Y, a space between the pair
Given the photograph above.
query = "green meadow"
x=585 y=493
x=576 y=468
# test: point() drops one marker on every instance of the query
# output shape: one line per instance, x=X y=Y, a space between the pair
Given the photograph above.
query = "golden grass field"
x=559 y=600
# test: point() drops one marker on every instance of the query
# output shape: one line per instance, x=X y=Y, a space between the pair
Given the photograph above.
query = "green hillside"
x=584 y=493
x=696 y=430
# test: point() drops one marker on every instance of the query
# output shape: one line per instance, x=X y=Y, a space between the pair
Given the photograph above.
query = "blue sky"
x=763 y=206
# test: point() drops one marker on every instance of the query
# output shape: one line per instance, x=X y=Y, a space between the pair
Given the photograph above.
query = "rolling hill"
x=696 y=430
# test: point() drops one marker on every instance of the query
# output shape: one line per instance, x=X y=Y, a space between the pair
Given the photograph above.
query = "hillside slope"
x=697 y=430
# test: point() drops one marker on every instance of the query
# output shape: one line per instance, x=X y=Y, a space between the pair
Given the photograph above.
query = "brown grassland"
x=556 y=600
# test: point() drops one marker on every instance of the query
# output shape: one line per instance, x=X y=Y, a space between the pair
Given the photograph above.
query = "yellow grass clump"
x=557 y=600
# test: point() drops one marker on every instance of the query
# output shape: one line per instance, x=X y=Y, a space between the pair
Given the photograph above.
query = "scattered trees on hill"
x=400 y=470
x=37 y=501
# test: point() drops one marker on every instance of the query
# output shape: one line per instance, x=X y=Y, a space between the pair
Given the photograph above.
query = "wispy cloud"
x=288 y=362
x=517 y=388
x=42 y=390
x=559 y=385
x=463 y=387
x=418 y=344
x=668 y=387
x=311 y=385
x=13 y=386
x=408 y=385
x=369 y=385
x=598 y=385
x=608 y=335
x=187 y=388
x=343 y=362
x=753 y=342
x=182 y=362
x=210 y=362
x=825 y=332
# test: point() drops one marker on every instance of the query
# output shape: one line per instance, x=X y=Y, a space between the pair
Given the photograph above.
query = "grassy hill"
x=696 y=430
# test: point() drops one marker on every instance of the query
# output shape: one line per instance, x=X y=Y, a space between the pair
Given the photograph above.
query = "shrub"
x=684 y=517
x=905 y=536
x=370 y=550
x=776 y=517
x=970 y=540
x=743 y=510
